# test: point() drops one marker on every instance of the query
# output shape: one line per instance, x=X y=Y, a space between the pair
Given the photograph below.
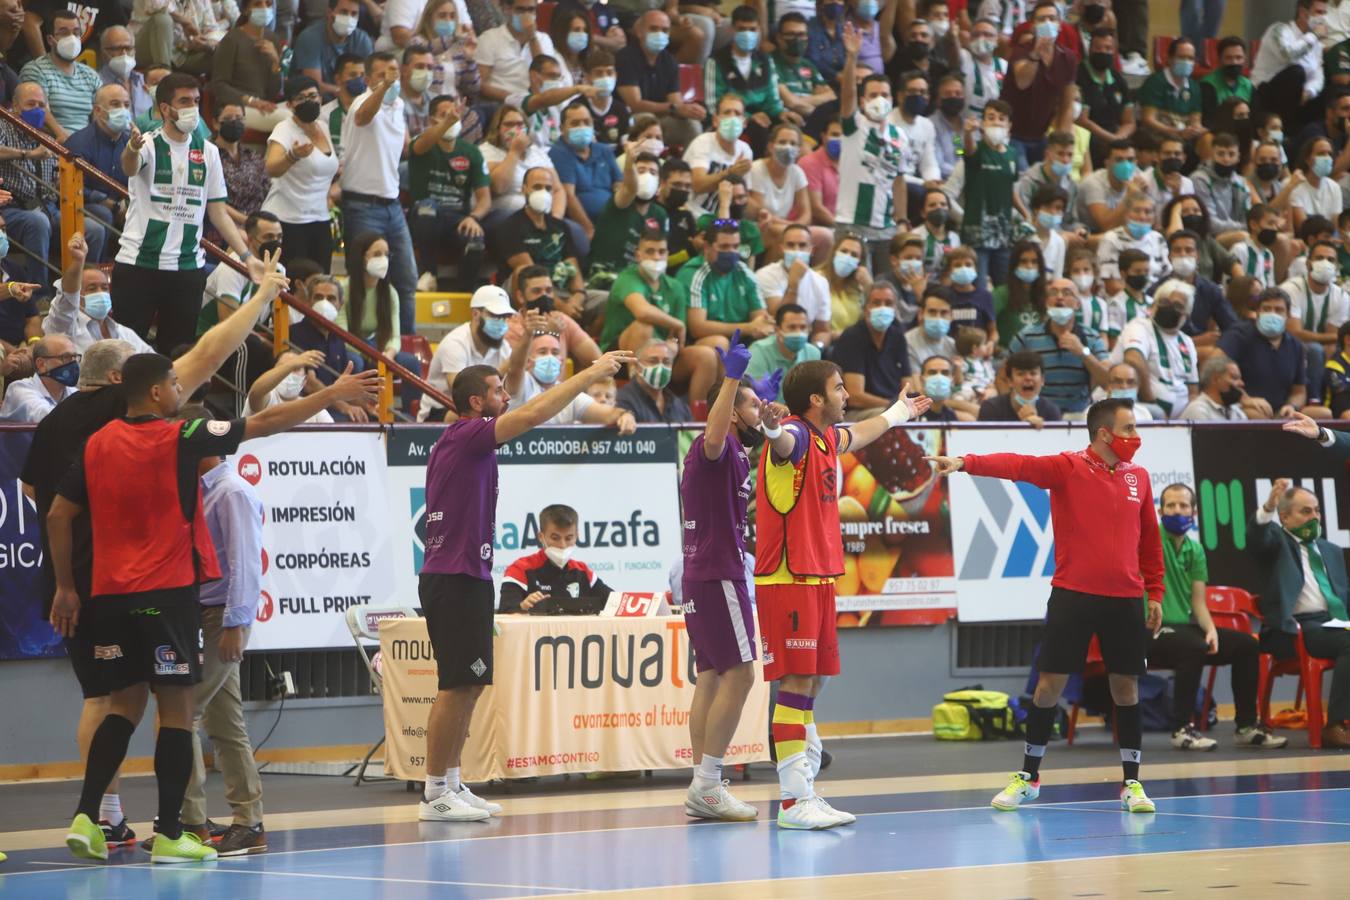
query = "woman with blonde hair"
x=455 y=74
x=849 y=280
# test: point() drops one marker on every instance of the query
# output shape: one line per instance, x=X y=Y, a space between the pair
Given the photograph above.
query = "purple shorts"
x=720 y=623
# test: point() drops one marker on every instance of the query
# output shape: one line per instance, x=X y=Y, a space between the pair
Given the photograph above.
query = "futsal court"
x=1232 y=823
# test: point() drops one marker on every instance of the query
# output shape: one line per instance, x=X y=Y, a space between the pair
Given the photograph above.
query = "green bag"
x=972 y=714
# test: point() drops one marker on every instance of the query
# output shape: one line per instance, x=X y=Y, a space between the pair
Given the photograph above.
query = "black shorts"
x=459 y=610
x=1072 y=618
x=153 y=637
x=80 y=650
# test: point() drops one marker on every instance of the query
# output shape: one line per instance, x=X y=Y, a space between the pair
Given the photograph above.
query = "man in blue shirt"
x=1073 y=356
x=318 y=47
x=588 y=172
x=100 y=143
x=1271 y=359
x=873 y=352
x=118 y=51
x=825 y=39
x=234 y=516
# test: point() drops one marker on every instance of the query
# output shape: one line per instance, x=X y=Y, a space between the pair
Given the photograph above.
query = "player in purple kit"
x=714 y=495
x=455 y=585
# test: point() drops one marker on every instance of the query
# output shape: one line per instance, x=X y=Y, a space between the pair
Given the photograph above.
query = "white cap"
x=493 y=299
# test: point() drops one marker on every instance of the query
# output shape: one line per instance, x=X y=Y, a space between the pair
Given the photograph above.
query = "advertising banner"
x=24 y=632
x=622 y=487
x=1234 y=470
x=1002 y=533
x=326 y=540
x=572 y=694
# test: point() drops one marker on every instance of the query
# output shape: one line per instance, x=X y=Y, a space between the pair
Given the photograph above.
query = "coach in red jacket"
x=1108 y=553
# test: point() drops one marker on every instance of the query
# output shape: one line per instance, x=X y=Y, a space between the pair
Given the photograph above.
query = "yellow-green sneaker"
x=188 y=848
x=3 y=857
x=1133 y=799
x=85 y=839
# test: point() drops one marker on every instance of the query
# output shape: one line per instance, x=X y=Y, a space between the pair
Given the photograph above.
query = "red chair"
x=1310 y=671
x=1161 y=45
x=1094 y=667
x=544 y=16
x=1231 y=607
x=419 y=347
x=691 y=83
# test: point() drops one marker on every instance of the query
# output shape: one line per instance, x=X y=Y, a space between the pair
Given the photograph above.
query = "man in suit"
x=1307 y=587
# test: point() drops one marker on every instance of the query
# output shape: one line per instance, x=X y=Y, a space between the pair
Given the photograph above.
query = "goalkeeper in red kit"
x=1108 y=553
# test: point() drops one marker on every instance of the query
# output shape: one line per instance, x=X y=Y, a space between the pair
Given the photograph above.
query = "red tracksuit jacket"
x=1106 y=530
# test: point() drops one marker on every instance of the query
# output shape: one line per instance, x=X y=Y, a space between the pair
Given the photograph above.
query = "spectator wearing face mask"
x=57 y=372
x=320 y=46
x=286 y=381
x=1053 y=172
x=1273 y=361
x=246 y=66
x=801 y=86
x=792 y=280
x=82 y=308
x=931 y=335
x=786 y=347
x=1222 y=393
x=724 y=297
x=1073 y=357
x=1137 y=233
x=68 y=84
x=948 y=124
x=872 y=150
x=536 y=365
x=1318 y=306
x=302 y=163
x=937 y=382
x=719 y=153
x=478 y=342
x=778 y=196
x=906 y=273
x=1107 y=99
x=1161 y=353
x=552 y=571
x=1211 y=314
x=450 y=196
x=821 y=167
x=1040 y=69
x=117 y=51
x=989 y=172
x=533 y=236
x=630 y=212
x=1122 y=383
x=982 y=70
x=324 y=295
x=647 y=396
x=1023 y=402
x=972 y=304
x=938 y=237
x=873 y=353
x=743 y=68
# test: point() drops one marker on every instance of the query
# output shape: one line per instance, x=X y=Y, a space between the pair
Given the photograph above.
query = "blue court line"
x=656 y=856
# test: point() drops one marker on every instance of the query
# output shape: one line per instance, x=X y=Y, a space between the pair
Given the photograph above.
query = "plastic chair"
x=1310 y=671
x=1231 y=607
x=1161 y=44
x=363 y=622
x=544 y=16
x=418 y=346
x=1093 y=667
x=691 y=83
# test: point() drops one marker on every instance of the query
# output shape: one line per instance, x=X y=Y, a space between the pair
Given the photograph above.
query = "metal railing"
x=72 y=172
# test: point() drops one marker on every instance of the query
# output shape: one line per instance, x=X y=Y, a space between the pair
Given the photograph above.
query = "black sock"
x=1130 y=728
x=173 y=768
x=106 y=752
x=1040 y=721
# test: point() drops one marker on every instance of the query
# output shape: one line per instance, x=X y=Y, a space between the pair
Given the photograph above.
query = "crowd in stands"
x=995 y=202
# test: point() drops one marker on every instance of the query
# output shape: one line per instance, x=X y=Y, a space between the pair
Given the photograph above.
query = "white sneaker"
x=808 y=814
x=448 y=807
x=1134 y=64
x=845 y=818
x=1187 y=738
x=1257 y=736
x=1020 y=789
x=469 y=797
x=1133 y=799
x=427 y=283
x=717 y=803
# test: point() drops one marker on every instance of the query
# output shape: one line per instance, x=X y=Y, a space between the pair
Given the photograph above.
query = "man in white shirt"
x=1221 y=393
x=1137 y=233
x=478 y=342
x=504 y=53
x=536 y=365
x=374 y=139
x=1318 y=306
x=718 y=154
x=82 y=308
x=1163 y=356
x=1288 y=72
x=920 y=157
x=792 y=280
x=58 y=371
x=981 y=70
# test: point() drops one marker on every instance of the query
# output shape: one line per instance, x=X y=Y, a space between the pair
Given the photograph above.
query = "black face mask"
x=1224 y=170
x=1168 y=317
x=1093 y=15
x=1136 y=282
x=1232 y=73
x=1230 y=396
x=1101 y=61
x=750 y=437
x=919 y=52
x=1172 y=165
x=1267 y=171
x=542 y=304
x=307 y=111
x=1194 y=223
x=737 y=211
x=269 y=248
x=795 y=47
x=677 y=198
x=951 y=106
x=915 y=106
x=231 y=129
x=937 y=218
x=1266 y=236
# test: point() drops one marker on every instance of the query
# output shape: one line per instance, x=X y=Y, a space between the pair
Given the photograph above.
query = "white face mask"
x=1084 y=282
x=377 y=267
x=291 y=385
x=419 y=80
x=996 y=135
x=344 y=25
x=1184 y=266
x=940 y=28
x=559 y=556
x=647 y=185
x=877 y=108
x=540 y=200
x=326 y=309
x=122 y=65
x=653 y=268
x=452 y=133
x=186 y=119
x=68 y=47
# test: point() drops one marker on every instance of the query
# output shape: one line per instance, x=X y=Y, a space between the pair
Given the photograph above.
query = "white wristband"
x=772 y=434
x=897 y=414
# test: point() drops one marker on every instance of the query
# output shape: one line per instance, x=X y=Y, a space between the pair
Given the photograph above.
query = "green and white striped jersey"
x=871 y=157
x=168 y=203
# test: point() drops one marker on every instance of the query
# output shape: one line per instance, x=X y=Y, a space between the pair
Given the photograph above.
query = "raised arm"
x=212 y=349
x=552 y=401
x=363 y=389
x=848 y=77
x=868 y=430
x=734 y=361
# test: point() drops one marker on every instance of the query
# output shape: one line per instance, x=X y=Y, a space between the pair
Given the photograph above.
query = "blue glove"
x=766 y=388
x=737 y=359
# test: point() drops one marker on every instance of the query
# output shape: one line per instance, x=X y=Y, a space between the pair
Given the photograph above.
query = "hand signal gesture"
x=737 y=359
x=945 y=465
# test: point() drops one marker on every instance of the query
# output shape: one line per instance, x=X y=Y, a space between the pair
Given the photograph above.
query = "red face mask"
x=1125 y=447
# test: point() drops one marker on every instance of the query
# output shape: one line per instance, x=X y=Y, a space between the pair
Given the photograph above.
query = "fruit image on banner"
x=895 y=523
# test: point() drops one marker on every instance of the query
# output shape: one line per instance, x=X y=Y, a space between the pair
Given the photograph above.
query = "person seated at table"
x=550 y=573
